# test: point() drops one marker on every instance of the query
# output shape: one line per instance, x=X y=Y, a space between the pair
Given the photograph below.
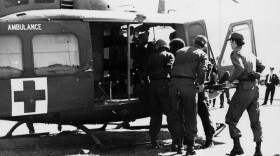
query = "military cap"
x=237 y=37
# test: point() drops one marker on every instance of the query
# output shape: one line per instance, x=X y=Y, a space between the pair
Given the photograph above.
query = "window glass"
x=247 y=47
x=10 y=56
x=44 y=1
x=12 y=3
x=160 y=32
x=55 y=54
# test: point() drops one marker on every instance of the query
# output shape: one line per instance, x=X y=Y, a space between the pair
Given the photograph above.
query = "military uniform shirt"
x=159 y=65
x=190 y=62
x=244 y=64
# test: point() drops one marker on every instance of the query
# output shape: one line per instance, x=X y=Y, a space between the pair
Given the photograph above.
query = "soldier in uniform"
x=158 y=73
x=247 y=69
x=175 y=45
x=203 y=101
x=189 y=65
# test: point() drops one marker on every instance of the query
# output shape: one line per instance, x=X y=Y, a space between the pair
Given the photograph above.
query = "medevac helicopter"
x=76 y=62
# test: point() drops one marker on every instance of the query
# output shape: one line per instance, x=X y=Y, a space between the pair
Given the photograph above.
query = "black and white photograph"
x=139 y=77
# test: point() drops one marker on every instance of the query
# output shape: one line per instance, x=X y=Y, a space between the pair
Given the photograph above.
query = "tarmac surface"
x=74 y=144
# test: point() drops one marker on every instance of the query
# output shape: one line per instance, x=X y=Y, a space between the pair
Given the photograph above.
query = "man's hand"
x=200 y=88
x=228 y=84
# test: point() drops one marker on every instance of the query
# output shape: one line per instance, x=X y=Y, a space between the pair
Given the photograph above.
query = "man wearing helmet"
x=158 y=73
x=190 y=65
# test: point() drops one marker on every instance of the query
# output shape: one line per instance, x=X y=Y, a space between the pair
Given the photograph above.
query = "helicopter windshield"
x=55 y=54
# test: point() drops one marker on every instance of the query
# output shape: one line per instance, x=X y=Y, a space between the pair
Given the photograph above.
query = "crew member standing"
x=246 y=97
x=175 y=45
x=270 y=81
x=224 y=92
x=203 y=101
x=158 y=73
x=190 y=64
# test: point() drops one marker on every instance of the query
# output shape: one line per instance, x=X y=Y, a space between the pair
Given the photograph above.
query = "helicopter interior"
x=113 y=68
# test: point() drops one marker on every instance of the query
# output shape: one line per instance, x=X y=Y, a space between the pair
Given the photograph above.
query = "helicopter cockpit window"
x=55 y=54
x=10 y=56
x=44 y=1
x=247 y=47
x=12 y=3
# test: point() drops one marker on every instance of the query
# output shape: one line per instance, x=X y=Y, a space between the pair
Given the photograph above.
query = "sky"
x=218 y=14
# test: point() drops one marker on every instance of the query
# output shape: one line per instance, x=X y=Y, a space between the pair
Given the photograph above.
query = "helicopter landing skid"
x=9 y=134
x=97 y=142
x=33 y=134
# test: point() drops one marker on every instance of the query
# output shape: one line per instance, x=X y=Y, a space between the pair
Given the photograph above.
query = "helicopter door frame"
x=247 y=30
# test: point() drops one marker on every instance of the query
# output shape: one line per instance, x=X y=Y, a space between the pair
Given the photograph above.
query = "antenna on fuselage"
x=235 y=1
x=161 y=6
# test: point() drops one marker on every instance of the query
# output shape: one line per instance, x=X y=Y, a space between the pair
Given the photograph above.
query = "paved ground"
x=270 y=118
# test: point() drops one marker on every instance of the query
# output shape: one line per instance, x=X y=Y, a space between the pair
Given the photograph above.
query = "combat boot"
x=179 y=146
x=237 y=149
x=228 y=101
x=173 y=146
x=258 y=149
x=185 y=140
x=222 y=105
x=208 y=143
x=190 y=147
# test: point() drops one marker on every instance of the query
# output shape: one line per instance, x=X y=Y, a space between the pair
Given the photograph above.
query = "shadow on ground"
x=121 y=142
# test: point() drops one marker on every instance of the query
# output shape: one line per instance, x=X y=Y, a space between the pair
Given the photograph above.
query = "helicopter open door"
x=190 y=30
x=195 y=28
x=246 y=29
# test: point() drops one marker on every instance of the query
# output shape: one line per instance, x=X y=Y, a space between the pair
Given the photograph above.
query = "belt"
x=248 y=80
x=186 y=77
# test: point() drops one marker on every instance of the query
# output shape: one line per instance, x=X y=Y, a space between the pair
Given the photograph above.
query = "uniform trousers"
x=246 y=97
x=270 y=88
x=183 y=92
x=205 y=116
x=160 y=103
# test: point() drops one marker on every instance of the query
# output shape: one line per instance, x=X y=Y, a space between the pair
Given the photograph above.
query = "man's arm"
x=209 y=72
x=276 y=79
x=265 y=82
x=169 y=60
x=238 y=67
x=145 y=75
x=202 y=68
x=260 y=66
